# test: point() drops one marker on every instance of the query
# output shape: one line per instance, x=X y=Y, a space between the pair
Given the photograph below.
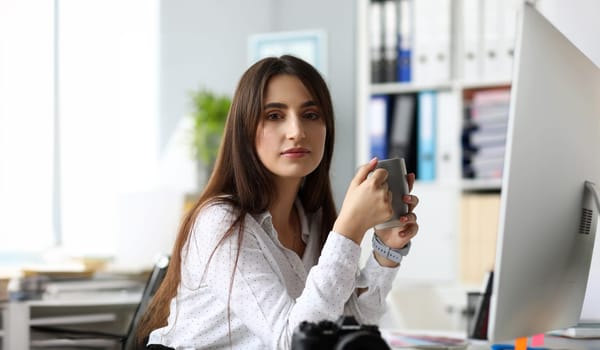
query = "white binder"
x=492 y=38
x=508 y=36
x=470 y=57
x=448 y=136
x=441 y=17
x=431 y=50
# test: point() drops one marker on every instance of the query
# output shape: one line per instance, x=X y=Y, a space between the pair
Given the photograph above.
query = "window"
x=108 y=115
x=26 y=125
x=78 y=120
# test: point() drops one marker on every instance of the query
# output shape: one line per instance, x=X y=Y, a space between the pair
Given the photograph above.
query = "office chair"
x=70 y=338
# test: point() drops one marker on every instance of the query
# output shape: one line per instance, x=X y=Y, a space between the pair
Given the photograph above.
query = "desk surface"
x=550 y=342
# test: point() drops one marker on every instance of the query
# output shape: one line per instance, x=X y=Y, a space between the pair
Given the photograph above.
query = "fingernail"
x=403 y=218
x=407 y=197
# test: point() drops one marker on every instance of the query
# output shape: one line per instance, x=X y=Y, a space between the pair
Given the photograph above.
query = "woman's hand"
x=398 y=237
x=368 y=202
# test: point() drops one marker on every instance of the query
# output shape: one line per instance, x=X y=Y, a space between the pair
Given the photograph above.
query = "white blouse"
x=273 y=288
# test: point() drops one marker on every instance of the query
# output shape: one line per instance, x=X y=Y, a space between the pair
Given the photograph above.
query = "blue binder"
x=426 y=135
x=405 y=44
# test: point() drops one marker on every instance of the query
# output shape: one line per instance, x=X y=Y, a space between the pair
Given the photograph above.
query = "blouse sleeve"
x=259 y=296
x=369 y=307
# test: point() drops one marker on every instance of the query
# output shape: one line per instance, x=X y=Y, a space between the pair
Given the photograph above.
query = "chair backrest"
x=152 y=284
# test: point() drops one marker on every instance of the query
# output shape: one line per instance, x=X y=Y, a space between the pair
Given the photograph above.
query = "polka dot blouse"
x=273 y=289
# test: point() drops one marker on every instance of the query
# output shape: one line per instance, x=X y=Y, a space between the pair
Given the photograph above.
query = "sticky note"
x=537 y=340
x=521 y=344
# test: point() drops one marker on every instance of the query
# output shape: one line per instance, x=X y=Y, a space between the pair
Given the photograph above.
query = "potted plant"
x=209 y=115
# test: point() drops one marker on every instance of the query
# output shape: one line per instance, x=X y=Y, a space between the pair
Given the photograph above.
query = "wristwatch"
x=392 y=254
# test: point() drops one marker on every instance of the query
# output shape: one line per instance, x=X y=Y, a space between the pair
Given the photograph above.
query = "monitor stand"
x=591 y=328
x=581 y=331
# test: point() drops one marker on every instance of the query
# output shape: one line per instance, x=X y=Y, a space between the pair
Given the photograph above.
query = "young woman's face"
x=290 y=138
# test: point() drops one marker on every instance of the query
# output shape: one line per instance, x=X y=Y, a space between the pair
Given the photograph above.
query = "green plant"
x=209 y=115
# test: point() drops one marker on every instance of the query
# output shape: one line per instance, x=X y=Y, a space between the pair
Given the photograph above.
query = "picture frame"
x=309 y=45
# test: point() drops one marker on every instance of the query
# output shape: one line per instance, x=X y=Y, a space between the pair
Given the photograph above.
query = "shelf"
x=406 y=88
x=466 y=85
x=481 y=184
x=75 y=319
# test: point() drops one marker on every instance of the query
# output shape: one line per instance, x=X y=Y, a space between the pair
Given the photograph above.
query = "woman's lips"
x=295 y=152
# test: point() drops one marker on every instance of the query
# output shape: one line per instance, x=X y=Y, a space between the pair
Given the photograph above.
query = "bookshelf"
x=441 y=210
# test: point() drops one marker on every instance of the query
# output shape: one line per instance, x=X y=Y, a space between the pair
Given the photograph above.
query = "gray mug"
x=398 y=184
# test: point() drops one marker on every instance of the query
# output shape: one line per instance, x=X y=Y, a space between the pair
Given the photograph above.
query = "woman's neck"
x=282 y=206
x=285 y=219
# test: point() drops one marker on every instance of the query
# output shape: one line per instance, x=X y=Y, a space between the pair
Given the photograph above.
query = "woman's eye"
x=311 y=116
x=273 y=116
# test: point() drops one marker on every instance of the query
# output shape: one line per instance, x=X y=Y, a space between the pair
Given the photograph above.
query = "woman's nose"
x=295 y=128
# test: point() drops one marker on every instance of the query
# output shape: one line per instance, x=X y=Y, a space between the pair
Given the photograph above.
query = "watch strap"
x=392 y=254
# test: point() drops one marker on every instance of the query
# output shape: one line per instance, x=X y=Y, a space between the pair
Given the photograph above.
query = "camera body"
x=345 y=334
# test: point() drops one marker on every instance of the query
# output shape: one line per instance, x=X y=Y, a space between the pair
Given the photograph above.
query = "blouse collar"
x=265 y=220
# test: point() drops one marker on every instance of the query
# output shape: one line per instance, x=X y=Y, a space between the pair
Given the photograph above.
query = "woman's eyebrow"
x=280 y=105
x=276 y=105
x=310 y=103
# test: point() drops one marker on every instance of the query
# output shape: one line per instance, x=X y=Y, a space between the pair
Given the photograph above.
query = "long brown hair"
x=241 y=179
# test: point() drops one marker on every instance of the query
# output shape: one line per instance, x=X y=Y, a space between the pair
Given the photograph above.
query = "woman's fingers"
x=410 y=178
x=368 y=202
x=411 y=200
x=409 y=231
x=379 y=178
x=408 y=218
x=363 y=172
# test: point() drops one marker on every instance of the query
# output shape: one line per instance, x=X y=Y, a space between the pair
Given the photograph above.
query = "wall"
x=338 y=19
x=205 y=43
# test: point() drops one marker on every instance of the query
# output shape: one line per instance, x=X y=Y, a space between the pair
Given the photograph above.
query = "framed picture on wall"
x=309 y=45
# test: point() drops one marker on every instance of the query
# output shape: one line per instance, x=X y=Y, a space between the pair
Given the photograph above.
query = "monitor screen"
x=553 y=143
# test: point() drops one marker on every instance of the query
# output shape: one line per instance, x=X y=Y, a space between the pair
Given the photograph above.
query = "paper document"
x=402 y=340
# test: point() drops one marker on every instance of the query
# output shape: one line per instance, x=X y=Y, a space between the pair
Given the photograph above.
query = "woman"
x=262 y=250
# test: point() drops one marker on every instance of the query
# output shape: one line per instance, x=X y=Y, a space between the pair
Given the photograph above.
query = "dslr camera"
x=345 y=334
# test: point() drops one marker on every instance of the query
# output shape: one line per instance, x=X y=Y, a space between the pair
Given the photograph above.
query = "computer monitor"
x=553 y=147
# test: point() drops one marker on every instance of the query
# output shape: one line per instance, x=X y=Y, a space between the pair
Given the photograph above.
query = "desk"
x=550 y=342
x=17 y=315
